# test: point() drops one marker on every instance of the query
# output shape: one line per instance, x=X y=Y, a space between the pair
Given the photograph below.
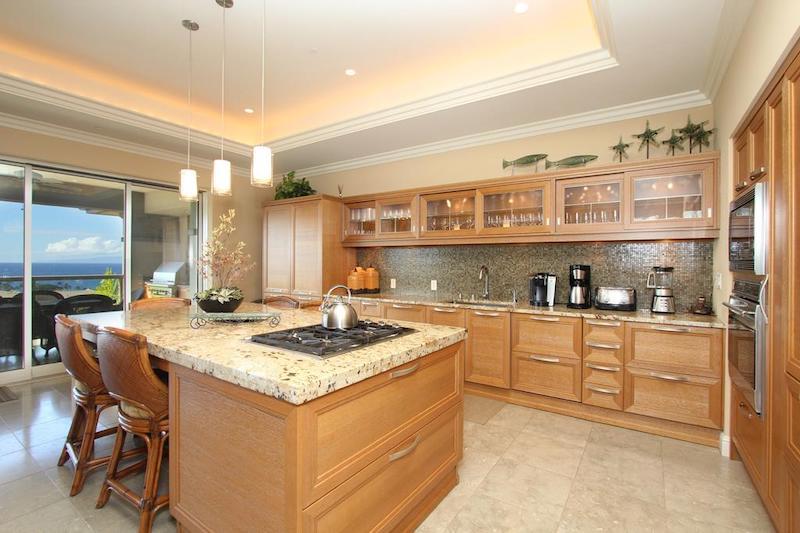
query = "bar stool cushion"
x=82 y=387
x=132 y=411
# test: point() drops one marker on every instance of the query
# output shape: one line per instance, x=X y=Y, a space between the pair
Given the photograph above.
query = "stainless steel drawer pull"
x=671 y=329
x=545 y=319
x=604 y=323
x=545 y=359
x=757 y=173
x=601 y=390
x=602 y=367
x=404 y=372
x=606 y=346
x=398 y=306
x=368 y=304
x=440 y=310
x=668 y=377
x=480 y=313
x=405 y=451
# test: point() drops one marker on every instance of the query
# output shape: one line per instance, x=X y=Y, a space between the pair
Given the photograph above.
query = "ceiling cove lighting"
x=249 y=110
x=188 y=184
x=520 y=8
x=350 y=72
x=221 y=175
x=261 y=164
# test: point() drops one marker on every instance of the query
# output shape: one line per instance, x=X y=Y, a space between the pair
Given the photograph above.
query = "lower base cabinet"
x=749 y=436
x=488 y=360
x=602 y=396
x=405 y=312
x=550 y=375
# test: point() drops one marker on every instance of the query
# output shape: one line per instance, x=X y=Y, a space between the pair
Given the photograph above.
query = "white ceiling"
x=427 y=71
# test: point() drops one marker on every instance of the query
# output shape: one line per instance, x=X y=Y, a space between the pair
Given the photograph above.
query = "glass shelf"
x=514 y=209
x=449 y=213
x=360 y=220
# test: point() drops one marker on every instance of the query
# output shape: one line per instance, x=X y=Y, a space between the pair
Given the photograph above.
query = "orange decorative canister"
x=373 y=283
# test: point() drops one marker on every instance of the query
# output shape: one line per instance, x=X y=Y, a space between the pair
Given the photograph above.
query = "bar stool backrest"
x=127 y=372
x=77 y=355
x=160 y=303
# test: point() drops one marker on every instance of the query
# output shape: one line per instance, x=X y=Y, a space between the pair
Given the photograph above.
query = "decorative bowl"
x=213 y=306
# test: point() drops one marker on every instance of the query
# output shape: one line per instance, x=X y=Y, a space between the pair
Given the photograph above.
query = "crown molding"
x=642 y=108
x=732 y=20
x=39 y=93
x=70 y=134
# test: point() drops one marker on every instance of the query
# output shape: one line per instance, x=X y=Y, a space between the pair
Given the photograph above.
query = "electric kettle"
x=336 y=313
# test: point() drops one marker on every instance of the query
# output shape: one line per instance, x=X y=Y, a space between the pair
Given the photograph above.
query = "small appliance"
x=615 y=298
x=660 y=280
x=747 y=341
x=580 y=296
x=747 y=239
x=543 y=289
x=337 y=314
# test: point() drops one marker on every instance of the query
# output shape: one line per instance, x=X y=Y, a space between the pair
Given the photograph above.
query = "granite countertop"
x=224 y=350
x=641 y=315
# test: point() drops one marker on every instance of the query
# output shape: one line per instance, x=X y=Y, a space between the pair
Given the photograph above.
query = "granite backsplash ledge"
x=455 y=268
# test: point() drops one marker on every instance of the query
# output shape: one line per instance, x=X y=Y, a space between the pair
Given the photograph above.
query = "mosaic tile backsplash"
x=455 y=268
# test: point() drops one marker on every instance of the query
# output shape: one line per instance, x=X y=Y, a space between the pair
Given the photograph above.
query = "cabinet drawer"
x=603 y=351
x=695 y=351
x=407 y=312
x=447 y=316
x=749 y=436
x=549 y=375
x=488 y=356
x=350 y=428
x=603 y=374
x=793 y=401
x=679 y=397
x=603 y=330
x=602 y=396
x=378 y=497
x=547 y=335
x=370 y=309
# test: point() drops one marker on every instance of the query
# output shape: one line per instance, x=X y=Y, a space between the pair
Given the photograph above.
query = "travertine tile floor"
x=523 y=470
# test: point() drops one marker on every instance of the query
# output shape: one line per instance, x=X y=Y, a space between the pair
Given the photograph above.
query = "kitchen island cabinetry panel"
x=488 y=351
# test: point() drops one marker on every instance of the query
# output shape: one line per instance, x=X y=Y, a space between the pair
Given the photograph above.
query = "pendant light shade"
x=261 y=170
x=188 y=185
x=221 y=178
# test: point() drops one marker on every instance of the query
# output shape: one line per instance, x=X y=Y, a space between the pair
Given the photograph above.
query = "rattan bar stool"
x=143 y=411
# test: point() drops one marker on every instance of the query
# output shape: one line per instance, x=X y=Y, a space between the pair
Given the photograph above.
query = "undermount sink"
x=483 y=303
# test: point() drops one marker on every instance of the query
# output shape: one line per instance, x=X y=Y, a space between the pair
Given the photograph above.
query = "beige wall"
x=483 y=162
x=768 y=34
x=246 y=199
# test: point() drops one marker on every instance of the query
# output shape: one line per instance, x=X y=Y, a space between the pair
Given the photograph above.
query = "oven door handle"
x=761 y=359
x=738 y=312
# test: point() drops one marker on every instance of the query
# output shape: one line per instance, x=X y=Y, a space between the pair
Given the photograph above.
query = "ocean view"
x=14 y=270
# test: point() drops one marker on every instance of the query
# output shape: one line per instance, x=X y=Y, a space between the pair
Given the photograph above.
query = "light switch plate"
x=717 y=280
x=433 y=285
x=393 y=283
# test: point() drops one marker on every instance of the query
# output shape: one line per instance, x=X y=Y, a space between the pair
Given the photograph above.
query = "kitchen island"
x=263 y=439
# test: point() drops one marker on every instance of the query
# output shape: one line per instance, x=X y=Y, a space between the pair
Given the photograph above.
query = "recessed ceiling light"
x=249 y=110
x=350 y=71
x=520 y=8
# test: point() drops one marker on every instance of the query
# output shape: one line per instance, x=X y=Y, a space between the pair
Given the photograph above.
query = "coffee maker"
x=580 y=287
x=660 y=280
x=543 y=289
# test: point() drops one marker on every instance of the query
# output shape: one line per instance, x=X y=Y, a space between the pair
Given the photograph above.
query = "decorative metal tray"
x=199 y=318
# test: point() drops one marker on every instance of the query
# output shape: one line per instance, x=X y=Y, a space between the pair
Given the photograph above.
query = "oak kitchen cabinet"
x=590 y=205
x=447 y=316
x=603 y=357
x=488 y=352
x=447 y=214
x=750 y=151
x=303 y=254
x=406 y=312
x=510 y=209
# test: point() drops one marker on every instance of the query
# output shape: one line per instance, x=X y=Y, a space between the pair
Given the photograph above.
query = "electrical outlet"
x=393 y=283
x=717 y=280
x=433 y=285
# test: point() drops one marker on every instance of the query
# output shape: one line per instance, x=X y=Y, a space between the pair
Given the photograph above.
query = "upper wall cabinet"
x=750 y=155
x=673 y=197
x=515 y=209
x=397 y=217
x=359 y=221
x=448 y=214
x=590 y=205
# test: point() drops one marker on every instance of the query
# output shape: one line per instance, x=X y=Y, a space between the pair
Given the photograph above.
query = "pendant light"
x=188 y=184
x=221 y=175
x=261 y=169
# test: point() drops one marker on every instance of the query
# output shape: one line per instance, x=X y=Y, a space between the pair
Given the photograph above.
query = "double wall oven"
x=747 y=306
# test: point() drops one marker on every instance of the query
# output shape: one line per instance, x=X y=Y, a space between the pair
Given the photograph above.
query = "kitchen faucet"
x=484 y=275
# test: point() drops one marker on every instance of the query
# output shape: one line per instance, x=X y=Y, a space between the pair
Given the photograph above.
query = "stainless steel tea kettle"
x=337 y=314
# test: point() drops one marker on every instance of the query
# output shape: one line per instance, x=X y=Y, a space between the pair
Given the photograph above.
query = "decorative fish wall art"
x=572 y=161
x=523 y=161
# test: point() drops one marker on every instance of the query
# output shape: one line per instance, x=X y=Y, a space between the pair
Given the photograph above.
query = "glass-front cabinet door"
x=674 y=197
x=397 y=217
x=514 y=209
x=448 y=213
x=590 y=204
x=359 y=221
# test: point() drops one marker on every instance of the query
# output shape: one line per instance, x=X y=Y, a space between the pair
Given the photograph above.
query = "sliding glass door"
x=73 y=243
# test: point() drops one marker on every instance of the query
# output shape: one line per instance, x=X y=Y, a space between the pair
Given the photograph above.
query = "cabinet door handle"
x=481 y=313
x=602 y=367
x=668 y=377
x=399 y=454
x=601 y=390
x=603 y=323
x=404 y=372
x=743 y=407
x=757 y=173
x=545 y=319
x=370 y=304
x=671 y=329
x=399 y=306
x=440 y=310
x=606 y=346
x=742 y=185
x=545 y=359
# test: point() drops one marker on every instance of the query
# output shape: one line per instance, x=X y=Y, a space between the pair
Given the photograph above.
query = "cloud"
x=89 y=245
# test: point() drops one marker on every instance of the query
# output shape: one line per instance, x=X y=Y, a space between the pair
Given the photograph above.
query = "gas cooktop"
x=323 y=342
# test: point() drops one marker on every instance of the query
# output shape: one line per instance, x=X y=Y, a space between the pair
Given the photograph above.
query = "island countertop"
x=225 y=351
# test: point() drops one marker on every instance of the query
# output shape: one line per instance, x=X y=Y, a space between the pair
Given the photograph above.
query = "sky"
x=60 y=234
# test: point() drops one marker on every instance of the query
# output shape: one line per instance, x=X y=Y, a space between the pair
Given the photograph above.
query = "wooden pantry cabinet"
x=302 y=251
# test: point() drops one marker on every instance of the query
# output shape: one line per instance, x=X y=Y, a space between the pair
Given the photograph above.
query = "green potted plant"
x=224 y=263
x=292 y=188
